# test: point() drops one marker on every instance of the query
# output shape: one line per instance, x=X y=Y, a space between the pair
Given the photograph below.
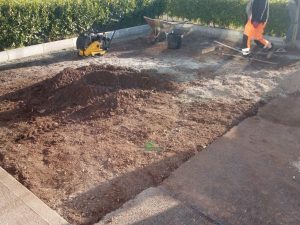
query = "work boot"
x=246 y=52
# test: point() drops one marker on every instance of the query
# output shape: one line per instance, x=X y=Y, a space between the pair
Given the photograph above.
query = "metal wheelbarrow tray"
x=161 y=28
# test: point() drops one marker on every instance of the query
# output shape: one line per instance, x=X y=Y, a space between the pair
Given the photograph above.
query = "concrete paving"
x=249 y=176
x=155 y=206
x=18 y=206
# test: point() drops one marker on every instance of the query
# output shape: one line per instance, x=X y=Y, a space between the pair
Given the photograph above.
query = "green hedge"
x=28 y=22
x=228 y=13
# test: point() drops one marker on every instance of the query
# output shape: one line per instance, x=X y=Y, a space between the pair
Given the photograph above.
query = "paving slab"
x=18 y=206
x=152 y=207
x=249 y=176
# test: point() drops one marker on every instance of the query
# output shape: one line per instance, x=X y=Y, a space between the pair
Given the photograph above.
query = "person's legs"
x=247 y=37
x=246 y=42
x=265 y=43
x=246 y=45
x=259 y=44
x=259 y=37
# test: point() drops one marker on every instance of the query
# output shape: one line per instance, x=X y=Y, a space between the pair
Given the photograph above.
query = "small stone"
x=42 y=111
x=55 y=124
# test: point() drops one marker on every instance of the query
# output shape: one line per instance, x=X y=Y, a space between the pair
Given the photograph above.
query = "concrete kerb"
x=28 y=199
x=19 y=53
x=59 y=45
x=226 y=34
x=56 y=46
x=3 y=57
x=129 y=32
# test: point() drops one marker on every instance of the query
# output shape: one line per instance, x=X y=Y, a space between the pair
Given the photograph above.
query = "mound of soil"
x=89 y=139
x=109 y=89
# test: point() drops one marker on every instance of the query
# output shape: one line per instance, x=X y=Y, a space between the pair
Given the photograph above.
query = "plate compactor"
x=93 y=44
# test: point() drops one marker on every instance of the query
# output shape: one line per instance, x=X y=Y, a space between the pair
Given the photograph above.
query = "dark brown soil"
x=89 y=139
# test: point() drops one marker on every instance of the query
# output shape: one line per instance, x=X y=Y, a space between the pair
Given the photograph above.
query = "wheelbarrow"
x=165 y=30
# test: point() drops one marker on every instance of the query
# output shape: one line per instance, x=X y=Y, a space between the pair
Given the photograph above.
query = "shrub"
x=28 y=22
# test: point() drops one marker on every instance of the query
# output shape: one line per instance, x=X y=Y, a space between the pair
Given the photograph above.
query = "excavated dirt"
x=87 y=140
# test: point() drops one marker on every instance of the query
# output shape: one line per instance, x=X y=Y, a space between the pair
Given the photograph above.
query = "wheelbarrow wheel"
x=162 y=36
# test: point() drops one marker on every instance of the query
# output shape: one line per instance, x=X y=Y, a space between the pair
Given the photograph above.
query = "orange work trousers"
x=254 y=34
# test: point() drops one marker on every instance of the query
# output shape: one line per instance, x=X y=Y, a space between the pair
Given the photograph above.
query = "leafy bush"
x=228 y=13
x=28 y=22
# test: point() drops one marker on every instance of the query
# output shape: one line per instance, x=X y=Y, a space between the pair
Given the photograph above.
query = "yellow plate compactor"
x=93 y=44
